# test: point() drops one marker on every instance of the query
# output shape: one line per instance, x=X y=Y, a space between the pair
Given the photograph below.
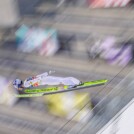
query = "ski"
x=88 y=84
x=53 y=90
x=28 y=95
x=46 y=89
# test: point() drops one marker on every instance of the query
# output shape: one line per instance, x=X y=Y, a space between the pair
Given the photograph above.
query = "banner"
x=107 y=3
x=43 y=41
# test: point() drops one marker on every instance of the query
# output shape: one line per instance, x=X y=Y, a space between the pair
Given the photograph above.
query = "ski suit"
x=45 y=79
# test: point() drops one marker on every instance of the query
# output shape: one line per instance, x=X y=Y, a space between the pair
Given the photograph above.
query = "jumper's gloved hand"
x=45 y=74
x=51 y=72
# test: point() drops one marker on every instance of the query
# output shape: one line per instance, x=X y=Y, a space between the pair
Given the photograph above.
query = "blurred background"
x=86 y=39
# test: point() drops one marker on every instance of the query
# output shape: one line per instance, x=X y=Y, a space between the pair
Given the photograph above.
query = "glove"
x=50 y=72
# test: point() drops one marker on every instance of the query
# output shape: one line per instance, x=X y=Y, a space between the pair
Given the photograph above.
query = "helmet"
x=17 y=83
